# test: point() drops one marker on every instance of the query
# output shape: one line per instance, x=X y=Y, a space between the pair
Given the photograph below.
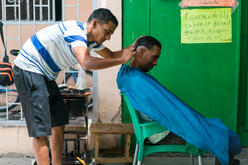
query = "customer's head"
x=103 y=24
x=148 y=51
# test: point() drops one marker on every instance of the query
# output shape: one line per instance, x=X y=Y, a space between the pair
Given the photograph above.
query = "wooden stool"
x=123 y=129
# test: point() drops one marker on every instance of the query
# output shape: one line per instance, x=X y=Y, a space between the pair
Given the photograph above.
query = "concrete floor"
x=15 y=159
x=158 y=159
x=182 y=161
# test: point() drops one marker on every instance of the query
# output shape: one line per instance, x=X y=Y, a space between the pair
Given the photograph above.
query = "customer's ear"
x=140 y=50
x=94 y=23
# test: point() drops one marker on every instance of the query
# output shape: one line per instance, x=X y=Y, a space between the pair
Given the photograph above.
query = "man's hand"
x=127 y=54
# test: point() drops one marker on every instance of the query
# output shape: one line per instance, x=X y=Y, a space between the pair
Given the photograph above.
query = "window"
x=42 y=10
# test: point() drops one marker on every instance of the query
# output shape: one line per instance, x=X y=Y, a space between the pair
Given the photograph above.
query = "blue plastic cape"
x=148 y=96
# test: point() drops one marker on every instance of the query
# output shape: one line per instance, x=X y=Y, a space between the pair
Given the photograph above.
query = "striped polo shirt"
x=50 y=50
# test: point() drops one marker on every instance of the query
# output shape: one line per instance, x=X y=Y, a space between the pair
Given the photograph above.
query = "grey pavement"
x=15 y=159
x=157 y=159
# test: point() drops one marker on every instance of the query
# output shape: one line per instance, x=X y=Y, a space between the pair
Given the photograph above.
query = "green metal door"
x=205 y=76
x=243 y=89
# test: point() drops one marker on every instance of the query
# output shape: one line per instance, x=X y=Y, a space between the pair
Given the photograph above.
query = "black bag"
x=6 y=70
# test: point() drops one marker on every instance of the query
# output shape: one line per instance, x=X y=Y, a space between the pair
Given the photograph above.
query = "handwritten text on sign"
x=208 y=3
x=206 y=25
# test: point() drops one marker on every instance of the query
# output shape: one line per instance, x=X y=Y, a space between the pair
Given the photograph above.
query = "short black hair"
x=148 y=42
x=103 y=15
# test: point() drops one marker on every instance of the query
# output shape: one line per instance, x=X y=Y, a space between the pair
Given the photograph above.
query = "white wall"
x=108 y=94
x=15 y=140
x=109 y=100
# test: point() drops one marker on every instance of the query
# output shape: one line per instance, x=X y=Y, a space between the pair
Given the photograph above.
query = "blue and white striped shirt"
x=50 y=50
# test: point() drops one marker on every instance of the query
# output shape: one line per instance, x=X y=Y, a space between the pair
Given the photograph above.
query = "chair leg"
x=199 y=160
x=140 y=152
x=135 y=154
x=192 y=159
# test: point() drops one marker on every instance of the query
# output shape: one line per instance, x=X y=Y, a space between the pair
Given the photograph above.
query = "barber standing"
x=49 y=51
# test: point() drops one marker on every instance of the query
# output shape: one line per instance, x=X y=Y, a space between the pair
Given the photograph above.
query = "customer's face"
x=149 y=58
x=103 y=32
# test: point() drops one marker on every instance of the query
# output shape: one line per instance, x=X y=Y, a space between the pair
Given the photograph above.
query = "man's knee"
x=41 y=140
x=58 y=129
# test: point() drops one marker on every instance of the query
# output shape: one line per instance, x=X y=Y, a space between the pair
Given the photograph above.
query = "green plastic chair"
x=144 y=130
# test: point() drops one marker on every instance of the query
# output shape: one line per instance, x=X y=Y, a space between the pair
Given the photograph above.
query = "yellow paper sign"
x=208 y=3
x=206 y=25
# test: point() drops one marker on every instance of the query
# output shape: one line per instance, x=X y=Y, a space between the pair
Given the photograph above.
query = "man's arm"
x=106 y=53
x=94 y=63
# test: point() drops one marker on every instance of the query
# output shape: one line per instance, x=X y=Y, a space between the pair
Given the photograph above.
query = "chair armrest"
x=148 y=124
x=151 y=128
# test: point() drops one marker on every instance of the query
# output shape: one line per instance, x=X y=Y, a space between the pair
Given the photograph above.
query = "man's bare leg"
x=41 y=150
x=57 y=144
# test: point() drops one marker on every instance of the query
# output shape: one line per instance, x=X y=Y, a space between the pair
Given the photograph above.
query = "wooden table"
x=99 y=129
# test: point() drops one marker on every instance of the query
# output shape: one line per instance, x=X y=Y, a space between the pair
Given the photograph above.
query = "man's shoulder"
x=130 y=72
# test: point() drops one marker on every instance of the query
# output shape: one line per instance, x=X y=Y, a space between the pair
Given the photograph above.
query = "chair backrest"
x=135 y=119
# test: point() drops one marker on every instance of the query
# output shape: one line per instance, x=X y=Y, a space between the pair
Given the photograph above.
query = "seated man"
x=161 y=138
x=154 y=100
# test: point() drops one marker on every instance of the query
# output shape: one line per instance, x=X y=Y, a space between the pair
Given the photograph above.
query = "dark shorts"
x=41 y=101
